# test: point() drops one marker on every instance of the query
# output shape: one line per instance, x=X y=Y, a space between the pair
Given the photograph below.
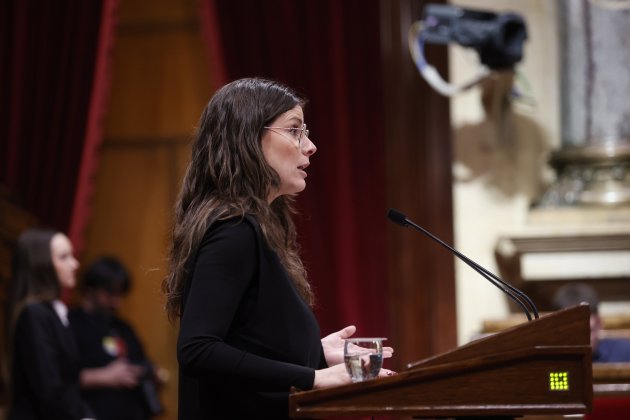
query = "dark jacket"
x=44 y=368
x=101 y=339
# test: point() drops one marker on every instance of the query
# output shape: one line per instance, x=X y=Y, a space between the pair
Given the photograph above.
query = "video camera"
x=498 y=38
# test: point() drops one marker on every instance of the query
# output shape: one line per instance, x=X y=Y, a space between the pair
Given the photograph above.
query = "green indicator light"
x=559 y=381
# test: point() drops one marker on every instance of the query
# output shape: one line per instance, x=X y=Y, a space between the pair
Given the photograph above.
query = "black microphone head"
x=397 y=217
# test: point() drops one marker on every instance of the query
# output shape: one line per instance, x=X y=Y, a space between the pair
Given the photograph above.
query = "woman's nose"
x=308 y=148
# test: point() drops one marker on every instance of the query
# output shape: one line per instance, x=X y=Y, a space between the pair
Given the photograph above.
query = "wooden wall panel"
x=163 y=84
x=130 y=220
x=160 y=84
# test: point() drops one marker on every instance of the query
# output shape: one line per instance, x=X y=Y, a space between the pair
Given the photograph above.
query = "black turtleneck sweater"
x=246 y=335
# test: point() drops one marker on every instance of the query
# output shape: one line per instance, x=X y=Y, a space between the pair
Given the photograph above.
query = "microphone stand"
x=515 y=294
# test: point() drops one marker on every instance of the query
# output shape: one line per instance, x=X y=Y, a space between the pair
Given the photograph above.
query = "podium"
x=538 y=367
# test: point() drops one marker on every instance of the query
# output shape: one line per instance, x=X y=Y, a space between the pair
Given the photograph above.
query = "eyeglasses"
x=296 y=133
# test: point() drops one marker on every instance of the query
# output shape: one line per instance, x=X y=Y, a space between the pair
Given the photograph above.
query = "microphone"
x=513 y=293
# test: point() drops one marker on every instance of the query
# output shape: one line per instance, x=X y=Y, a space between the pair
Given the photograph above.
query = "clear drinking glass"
x=363 y=357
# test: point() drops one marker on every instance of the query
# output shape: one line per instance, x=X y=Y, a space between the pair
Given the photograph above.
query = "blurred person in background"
x=605 y=349
x=118 y=381
x=43 y=355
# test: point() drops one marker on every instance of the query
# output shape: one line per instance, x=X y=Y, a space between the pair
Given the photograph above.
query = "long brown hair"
x=33 y=279
x=33 y=276
x=228 y=176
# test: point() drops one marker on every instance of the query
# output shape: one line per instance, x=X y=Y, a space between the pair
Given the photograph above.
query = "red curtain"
x=327 y=50
x=55 y=56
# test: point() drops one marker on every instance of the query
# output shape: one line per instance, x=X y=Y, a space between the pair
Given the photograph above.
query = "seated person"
x=117 y=379
x=605 y=350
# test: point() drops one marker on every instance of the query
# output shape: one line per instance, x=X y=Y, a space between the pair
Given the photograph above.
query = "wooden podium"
x=539 y=367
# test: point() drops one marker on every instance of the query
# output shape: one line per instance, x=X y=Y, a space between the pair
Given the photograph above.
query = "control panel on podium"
x=538 y=367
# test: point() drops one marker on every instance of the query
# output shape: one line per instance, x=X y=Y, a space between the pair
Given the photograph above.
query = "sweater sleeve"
x=226 y=264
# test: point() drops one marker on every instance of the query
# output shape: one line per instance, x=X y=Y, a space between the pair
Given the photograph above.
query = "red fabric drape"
x=54 y=59
x=212 y=37
x=81 y=209
x=328 y=50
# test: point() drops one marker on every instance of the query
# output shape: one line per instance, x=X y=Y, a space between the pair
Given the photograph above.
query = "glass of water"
x=363 y=357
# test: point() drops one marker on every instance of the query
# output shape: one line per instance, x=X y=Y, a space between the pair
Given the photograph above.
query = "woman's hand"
x=333 y=345
x=338 y=375
x=117 y=374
